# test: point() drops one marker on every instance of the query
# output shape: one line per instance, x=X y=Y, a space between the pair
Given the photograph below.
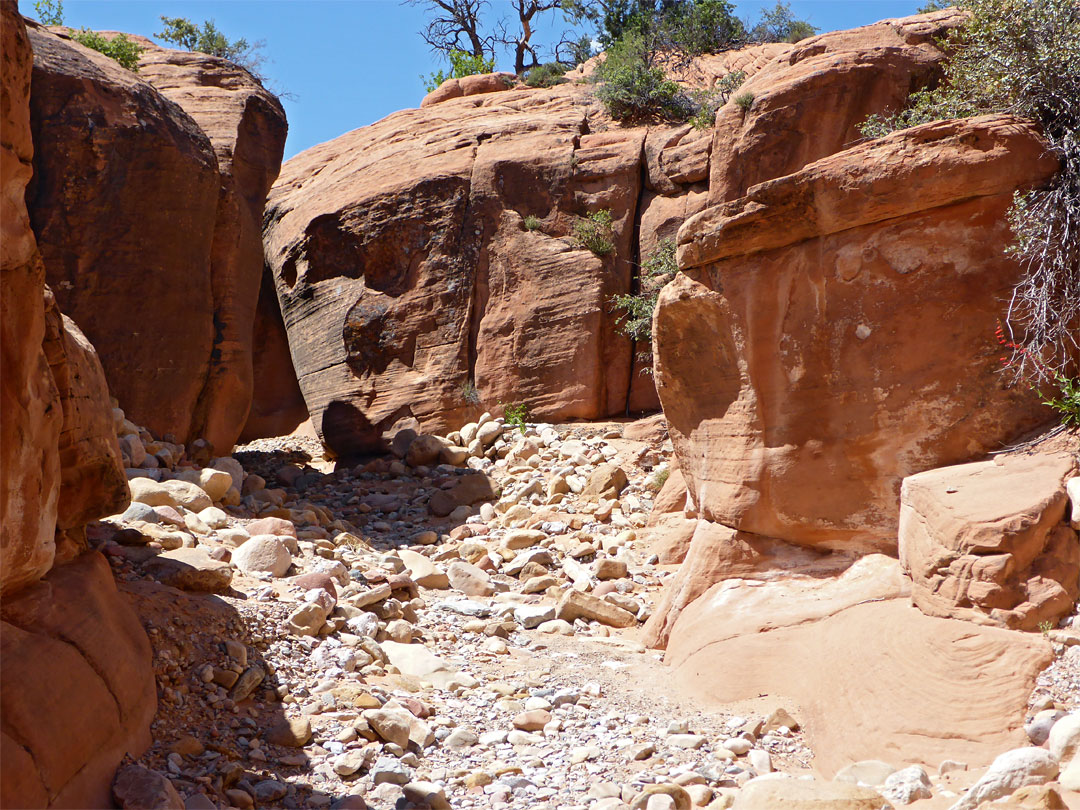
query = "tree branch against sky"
x=455 y=25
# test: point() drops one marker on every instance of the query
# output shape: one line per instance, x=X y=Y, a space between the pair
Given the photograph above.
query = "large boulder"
x=153 y=214
x=77 y=688
x=30 y=416
x=989 y=541
x=246 y=127
x=808 y=102
x=828 y=334
x=124 y=210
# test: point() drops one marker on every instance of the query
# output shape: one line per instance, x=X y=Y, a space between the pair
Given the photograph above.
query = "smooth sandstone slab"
x=870 y=679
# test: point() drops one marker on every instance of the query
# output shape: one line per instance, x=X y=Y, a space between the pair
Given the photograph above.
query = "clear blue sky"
x=351 y=62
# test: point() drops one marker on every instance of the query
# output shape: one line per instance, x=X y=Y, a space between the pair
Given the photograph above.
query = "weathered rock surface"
x=847 y=347
x=144 y=161
x=246 y=127
x=988 y=541
x=30 y=414
x=809 y=101
x=197 y=202
x=406 y=271
x=77 y=687
x=906 y=688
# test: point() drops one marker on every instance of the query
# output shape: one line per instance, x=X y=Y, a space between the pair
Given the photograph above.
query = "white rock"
x=263 y=553
x=214 y=518
x=1073 y=488
x=1064 y=737
x=907 y=786
x=1008 y=773
x=413 y=659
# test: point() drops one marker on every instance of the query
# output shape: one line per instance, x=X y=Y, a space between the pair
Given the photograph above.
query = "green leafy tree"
x=50 y=12
x=462 y=64
x=778 y=24
x=207 y=38
x=936 y=5
x=631 y=87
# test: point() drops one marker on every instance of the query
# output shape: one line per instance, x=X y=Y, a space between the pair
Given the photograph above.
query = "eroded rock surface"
x=426 y=264
x=989 y=541
x=844 y=309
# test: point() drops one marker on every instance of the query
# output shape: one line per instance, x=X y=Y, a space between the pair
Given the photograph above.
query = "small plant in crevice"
x=1064 y=397
x=707 y=102
x=745 y=100
x=469 y=393
x=656 y=483
x=532 y=223
x=1046 y=627
x=595 y=232
x=635 y=320
x=516 y=415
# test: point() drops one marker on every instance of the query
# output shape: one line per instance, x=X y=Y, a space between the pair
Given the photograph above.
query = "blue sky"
x=351 y=62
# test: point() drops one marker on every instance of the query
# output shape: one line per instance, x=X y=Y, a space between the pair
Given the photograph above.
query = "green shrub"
x=469 y=393
x=701 y=26
x=656 y=483
x=935 y=5
x=50 y=12
x=745 y=100
x=206 y=38
x=595 y=233
x=532 y=223
x=1066 y=400
x=779 y=25
x=119 y=48
x=631 y=88
x=516 y=415
x=707 y=102
x=635 y=320
x=547 y=75
x=462 y=64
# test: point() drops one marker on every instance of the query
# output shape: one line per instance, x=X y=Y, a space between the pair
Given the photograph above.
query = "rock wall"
x=76 y=687
x=187 y=148
x=849 y=310
x=30 y=415
x=432 y=251
x=246 y=127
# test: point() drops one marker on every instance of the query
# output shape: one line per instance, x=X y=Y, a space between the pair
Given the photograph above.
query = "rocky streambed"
x=454 y=625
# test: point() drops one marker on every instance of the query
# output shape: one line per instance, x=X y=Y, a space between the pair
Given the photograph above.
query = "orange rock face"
x=30 y=413
x=187 y=148
x=990 y=541
x=847 y=312
x=434 y=249
x=77 y=689
x=246 y=126
x=142 y=161
x=865 y=673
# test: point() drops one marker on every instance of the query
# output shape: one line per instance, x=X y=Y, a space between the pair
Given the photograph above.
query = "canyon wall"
x=187 y=148
x=76 y=688
x=426 y=265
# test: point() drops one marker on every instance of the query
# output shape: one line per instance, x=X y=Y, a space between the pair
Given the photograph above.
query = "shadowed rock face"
x=247 y=128
x=187 y=148
x=110 y=152
x=833 y=332
x=406 y=270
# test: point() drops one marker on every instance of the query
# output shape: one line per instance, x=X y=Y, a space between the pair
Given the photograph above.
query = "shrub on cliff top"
x=119 y=48
x=462 y=64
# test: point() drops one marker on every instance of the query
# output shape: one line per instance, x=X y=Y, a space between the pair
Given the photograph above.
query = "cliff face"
x=77 y=690
x=433 y=251
x=187 y=148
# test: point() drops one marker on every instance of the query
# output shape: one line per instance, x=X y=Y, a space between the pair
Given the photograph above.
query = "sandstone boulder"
x=77 y=688
x=798 y=794
x=907 y=690
x=124 y=213
x=246 y=127
x=988 y=541
x=847 y=350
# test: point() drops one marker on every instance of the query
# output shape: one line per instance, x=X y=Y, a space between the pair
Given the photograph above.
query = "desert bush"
x=636 y=309
x=595 y=233
x=779 y=25
x=546 y=75
x=50 y=12
x=207 y=38
x=707 y=102
x=462 y=64
x=631 y=87
x=516 y=415
x=745 y=100
x=469 y=393
x=119 y=48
